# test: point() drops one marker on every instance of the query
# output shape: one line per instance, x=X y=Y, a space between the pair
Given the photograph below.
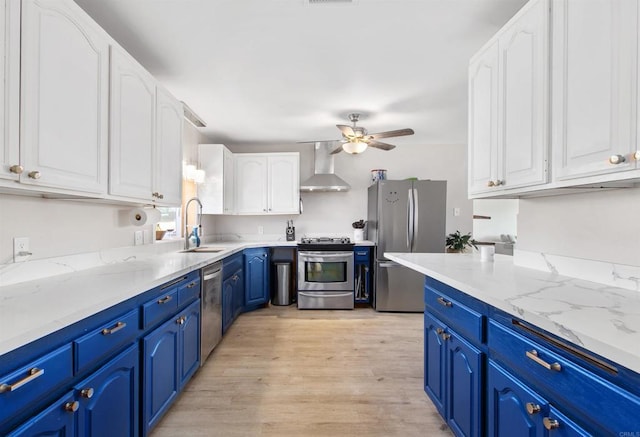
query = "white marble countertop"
x=33 y=309
x=601 y=318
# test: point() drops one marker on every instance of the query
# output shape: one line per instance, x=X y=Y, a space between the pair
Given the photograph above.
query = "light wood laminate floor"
x=283 y=372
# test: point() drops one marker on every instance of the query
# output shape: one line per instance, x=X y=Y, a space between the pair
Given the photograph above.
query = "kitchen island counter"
x=600 y=318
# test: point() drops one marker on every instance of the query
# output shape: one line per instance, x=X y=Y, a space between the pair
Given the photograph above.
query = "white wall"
x=597 y=225
x=65 y=227
x=503 y=213
x=333 y=213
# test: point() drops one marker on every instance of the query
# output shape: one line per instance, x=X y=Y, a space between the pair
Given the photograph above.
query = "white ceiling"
x=282 y=71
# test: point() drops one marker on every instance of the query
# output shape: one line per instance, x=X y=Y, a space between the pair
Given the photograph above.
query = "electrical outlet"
x=20 y=249
x=260 y=230
x=456 y=212
x=138 y=238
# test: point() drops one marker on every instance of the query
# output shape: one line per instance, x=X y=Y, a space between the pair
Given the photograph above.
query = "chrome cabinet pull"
x=439 y=331
x=193 y=284
x=617 y=159
x=181 y=320
x=533 y=355
x=72 y=407
x=550 y=423
x=442 y=301
x=165 y=299
x=17 y=169
x=34 y=174
x=118 y=326
x=445 y=336
x=532 y=408
x=31 y=375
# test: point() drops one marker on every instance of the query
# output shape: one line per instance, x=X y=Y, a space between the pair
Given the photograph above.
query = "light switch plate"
x=20 y=249
x=138 y=238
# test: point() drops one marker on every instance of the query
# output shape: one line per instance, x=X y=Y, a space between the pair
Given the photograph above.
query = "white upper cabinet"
x=267 y=183
x=133 y=104
x=283 y=183
x=508 y=105
x=595 y=54
x=523 y=110
x=64 y=101
x=483 y=120
x=9 y=89
x=251 y=183
x=167 y=175
x=216 y=193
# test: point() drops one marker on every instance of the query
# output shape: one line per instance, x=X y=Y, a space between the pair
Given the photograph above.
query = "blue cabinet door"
x=256 y=281
x=434 y=365
x=507 y=410
x=109 y=398
x=227 y=303
x=57 y=420
x=464 y=391
x=362 y=272
x=238 y=294
x=160 y=382
x=189 y=342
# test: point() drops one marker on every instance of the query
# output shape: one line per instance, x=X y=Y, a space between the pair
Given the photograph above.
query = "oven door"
x=325 y=270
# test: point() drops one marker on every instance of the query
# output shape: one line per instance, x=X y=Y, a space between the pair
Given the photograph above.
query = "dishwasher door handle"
x=212 y=275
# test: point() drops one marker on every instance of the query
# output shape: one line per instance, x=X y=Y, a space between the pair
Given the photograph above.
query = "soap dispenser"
x=194 y=239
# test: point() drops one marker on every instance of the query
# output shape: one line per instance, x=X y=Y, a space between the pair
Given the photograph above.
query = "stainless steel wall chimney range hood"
x=324 y=179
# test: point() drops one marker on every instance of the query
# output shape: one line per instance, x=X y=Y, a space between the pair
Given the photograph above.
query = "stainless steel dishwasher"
x=211 y=309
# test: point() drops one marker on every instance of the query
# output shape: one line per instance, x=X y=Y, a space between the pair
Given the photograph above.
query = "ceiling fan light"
x=354 y=147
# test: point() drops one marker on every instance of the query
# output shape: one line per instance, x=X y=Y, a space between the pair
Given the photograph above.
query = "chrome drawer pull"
x=444 y=302
x=116 y=328
x=533 y=354
x=550 y=423
x=31 y=375
x=193 y=284
x=165 y=299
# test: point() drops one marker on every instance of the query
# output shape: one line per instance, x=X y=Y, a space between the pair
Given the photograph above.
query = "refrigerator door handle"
x=409 y=219
x=388 y=264
x=414 y=227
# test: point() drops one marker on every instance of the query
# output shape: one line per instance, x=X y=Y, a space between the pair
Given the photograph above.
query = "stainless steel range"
x=325 y=273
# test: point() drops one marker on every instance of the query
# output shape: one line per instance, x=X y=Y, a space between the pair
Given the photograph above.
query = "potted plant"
x=457 y=242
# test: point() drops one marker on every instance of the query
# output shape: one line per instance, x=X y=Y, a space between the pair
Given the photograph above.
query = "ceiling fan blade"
x=338 y=150
x=321 y=141
x=347 y=131
x=391 y=133
x=381 y=145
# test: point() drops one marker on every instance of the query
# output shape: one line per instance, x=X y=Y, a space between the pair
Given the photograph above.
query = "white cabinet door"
x=9 y=89
x=483 y=120
x=593 y=78
x=64 y=86
x=228 y=200
x=283 y=177
x=167 y=173
x=251 y=183
x=132 y=128
x=216 y=193
x=523 y=102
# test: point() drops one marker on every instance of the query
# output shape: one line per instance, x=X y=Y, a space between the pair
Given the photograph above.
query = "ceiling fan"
x=356 y=139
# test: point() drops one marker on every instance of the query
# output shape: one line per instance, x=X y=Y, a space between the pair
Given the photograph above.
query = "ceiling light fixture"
x=354 y=147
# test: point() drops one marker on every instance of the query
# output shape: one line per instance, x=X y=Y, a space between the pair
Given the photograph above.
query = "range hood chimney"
x=324 y=178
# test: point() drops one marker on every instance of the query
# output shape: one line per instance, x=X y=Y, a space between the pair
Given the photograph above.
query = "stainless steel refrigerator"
x=404 y=216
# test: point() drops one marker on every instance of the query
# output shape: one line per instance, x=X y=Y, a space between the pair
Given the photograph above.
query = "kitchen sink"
x=204 y=249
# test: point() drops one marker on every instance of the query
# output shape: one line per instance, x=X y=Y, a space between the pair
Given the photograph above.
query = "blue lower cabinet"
x=453 y=370
x=108 y=399
x=171 y=355
x=227 y=303
x=513 y=408
x=560 y=425
x=160 y=372
x=189 y=342
x=57 y=420
x=256 y=277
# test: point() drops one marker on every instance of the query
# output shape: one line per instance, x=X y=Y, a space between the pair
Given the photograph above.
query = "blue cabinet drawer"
x=598 y=402
x=460 y=317
x=188 y=292
x=28 y=384
x=361 y=254
x=231 y=264
x=105 y=340
x=159 y=308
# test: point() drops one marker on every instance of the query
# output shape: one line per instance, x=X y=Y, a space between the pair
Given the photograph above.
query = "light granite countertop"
x=601 y=318
x=82 y=286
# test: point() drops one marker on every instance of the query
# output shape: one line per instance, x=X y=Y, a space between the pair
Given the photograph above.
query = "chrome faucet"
x=186 y=221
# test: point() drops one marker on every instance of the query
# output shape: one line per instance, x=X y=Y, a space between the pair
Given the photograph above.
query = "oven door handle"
x=316 y=295
x=325 y=254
